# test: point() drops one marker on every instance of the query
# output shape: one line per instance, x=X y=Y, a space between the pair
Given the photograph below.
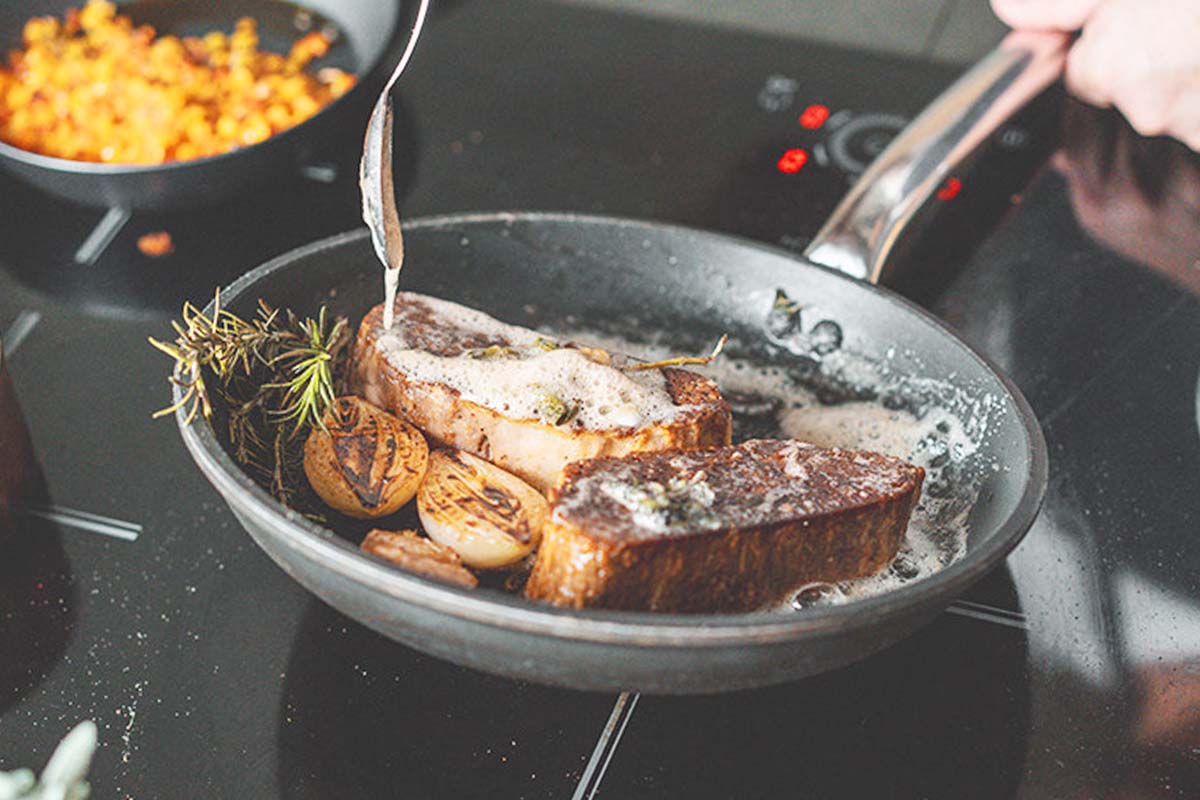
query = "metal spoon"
x=376 y=180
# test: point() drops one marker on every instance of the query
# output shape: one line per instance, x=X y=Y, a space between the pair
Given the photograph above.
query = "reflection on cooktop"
x=364 y=717
x=1109 y=576
x=944 y=713
x=38 y=608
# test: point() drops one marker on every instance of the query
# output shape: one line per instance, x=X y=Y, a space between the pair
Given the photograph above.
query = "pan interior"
x=677 y=290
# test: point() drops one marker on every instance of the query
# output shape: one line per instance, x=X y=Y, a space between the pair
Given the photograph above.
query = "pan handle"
x=860 y=234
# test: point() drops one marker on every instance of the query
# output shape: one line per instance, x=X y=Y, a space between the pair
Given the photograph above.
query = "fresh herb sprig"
x=276 y=375
x=218 y=343
x=683 y=360
x=310 y=390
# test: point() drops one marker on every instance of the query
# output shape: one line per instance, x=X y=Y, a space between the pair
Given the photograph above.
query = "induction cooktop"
x=129 y=595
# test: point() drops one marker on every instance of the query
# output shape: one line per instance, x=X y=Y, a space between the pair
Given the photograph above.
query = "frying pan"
x=554 y=269
x=365 y=28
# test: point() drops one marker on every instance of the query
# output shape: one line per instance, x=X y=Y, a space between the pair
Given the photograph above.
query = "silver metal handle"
x=860 y=234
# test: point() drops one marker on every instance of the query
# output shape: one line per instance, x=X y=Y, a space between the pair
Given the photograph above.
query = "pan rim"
x=636 y=628
x=96 y=168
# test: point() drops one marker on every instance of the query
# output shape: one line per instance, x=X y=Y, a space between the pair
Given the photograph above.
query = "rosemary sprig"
x=310 y=391
x=683 y=360
x=219 y=343
x=276 y=376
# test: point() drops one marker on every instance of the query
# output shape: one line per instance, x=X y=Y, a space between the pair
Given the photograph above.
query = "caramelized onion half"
x=488 y=516
x=367 y=463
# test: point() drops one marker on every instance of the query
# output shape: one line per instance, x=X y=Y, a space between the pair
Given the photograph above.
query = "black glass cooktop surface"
x=130 y=595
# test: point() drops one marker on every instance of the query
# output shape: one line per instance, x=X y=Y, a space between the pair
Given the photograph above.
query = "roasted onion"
x=367 y=463
x=488 y=516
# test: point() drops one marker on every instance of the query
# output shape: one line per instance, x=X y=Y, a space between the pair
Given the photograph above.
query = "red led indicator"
x=792 y=161
x=814 y=116
x=949 y=189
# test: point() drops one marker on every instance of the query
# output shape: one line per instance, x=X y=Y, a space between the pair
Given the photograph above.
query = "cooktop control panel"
x=814 y=146
x=844 y=139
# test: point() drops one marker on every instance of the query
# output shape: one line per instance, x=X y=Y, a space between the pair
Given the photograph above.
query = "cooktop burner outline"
x=320 y=171
x=606 y=746
x=16 y=333
x=101 y=236
x=987 y=613
x=87 y=521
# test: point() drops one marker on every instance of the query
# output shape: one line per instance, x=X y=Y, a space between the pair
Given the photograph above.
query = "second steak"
x=725 y=529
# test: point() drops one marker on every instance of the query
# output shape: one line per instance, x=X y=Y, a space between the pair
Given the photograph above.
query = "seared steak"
x=526 y=403
x=726 y=529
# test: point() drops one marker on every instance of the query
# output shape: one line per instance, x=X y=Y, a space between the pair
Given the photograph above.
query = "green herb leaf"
x=553 y=409
x=493 y=351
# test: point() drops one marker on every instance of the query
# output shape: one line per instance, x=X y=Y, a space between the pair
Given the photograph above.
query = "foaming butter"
x=523 y=375
x=937 y=440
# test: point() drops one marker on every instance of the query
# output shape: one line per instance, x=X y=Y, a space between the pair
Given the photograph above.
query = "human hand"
x=1140 y=56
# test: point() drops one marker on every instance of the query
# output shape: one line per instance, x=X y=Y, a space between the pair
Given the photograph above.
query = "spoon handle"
x=376 y=180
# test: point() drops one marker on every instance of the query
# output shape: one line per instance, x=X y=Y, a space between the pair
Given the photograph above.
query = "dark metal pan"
x=365 y=27
x=687 y=285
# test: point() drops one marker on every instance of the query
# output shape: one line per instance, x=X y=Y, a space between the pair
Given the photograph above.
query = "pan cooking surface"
x=797 y=381
x=927 y=395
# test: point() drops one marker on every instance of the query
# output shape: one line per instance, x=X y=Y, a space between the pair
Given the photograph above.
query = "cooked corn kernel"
x=93 y=87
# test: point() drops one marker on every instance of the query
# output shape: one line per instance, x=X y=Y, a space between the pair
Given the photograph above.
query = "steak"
x=527 y=403
x=727 y=529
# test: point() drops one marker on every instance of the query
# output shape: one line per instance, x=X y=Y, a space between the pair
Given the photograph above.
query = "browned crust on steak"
x=414 y=553
x=595 y=553
x=531 y=449
x=424 y=330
